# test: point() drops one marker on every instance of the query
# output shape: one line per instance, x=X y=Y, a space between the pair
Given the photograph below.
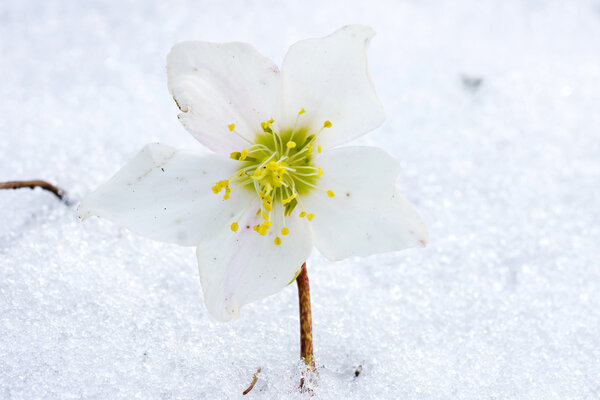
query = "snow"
x=502 y=304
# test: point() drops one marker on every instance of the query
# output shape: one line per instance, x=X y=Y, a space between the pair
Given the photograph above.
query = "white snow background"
x=503 y=303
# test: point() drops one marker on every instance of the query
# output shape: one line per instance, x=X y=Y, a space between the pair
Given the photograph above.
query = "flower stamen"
x=278 y=167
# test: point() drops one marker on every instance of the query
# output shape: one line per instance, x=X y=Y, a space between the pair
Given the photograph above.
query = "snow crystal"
x=492 y=108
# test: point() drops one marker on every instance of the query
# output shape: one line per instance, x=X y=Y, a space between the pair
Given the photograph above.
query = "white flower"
x=276 y=185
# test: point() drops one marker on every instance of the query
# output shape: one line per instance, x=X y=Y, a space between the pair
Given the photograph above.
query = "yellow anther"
x=330 y=193
x=277 y=240
x=268 y=198
x=310 y=216
x=263 y=228
x=291 y=144
x=267 y=206
x=241 y=172
x=227 y=191
x=319 y=173
x=273 y=165
x=319 y=148
x=289 y=199
x=257 y=172
x=327 y=124
x=243 y=154
x=309 y=147
x=235 y=155
x=285 y=231
x=220 y=185
x=302 y=111
x=302 y=214
x=265 y=216
x=267 y=124
x=231 y=127
x=234 y=226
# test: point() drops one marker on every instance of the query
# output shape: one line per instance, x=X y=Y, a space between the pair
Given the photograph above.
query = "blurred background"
x=493 y=110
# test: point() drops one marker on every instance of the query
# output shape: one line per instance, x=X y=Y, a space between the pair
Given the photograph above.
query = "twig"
x=32 y=185
x=254 y=379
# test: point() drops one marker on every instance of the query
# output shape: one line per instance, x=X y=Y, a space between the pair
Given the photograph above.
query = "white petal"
x=328 y=77
x=217 y=84
x=237 y=268
x=367 y=215
x=165 y=194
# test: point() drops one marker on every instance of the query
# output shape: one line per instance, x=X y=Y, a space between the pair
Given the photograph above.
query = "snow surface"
x=504 y=303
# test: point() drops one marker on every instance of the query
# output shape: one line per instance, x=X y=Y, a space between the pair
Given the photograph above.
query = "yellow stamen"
x=330 y=193
x=265 y=216
x=319 y=173
x=310 y=216
x=302 y=111
x=231 y=127
x=302 y=214
x=235 y=155
x=267 y=124
x=277 y=240
x=234 y=226
x=291 y=144
x=243 y=155
x=327 y=124
x=220 y=185
x=292 y=197
x=319 y=148
x=285 y=231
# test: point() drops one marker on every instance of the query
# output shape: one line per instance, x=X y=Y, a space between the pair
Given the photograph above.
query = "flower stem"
x=306 y=340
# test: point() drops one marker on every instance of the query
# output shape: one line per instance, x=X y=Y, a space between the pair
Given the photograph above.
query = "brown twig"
x=32 y=185
x=254 y=379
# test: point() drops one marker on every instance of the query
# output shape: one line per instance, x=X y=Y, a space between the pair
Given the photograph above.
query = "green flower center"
x=278 y=167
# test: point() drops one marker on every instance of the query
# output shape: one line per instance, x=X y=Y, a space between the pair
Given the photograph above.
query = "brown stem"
x=306 y=340
x=254 y=379
x=33 y=184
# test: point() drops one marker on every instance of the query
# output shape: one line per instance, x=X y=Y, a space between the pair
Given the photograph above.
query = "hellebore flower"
x=276 y=184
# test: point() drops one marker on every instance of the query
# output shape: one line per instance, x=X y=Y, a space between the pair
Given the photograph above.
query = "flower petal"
x=367 y=215
x=237 y=268
x=166 y=195
x=217 y=84
x=328 y=77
